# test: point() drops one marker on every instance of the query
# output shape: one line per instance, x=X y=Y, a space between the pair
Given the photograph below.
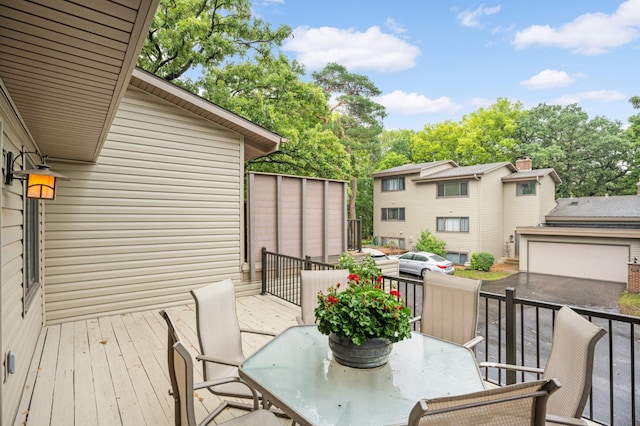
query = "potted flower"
x=362 y=319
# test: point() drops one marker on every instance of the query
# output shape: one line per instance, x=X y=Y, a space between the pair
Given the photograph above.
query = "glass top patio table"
x=295 y=371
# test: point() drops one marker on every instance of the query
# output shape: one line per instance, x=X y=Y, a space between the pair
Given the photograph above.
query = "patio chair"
x=450 y=308
x=571 y=362
x=311 y=282
x=516 y=405
x=220 y=339
x=181 y=372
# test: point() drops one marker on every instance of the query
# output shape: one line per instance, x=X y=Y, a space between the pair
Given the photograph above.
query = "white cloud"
x=394 y=26
x=548 y=79
x=371 y=50
x=595 y=95
x=471 y=18
x=402 y=103
x=588 y=34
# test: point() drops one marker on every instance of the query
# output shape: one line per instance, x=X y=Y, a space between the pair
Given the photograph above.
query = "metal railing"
x=516 y=331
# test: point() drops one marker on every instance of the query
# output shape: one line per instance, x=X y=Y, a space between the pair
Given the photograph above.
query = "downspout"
x=479 y=208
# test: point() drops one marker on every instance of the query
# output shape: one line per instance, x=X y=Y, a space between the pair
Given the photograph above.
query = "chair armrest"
x=207 y=358
x=511 y=367
x=558 y=420
x=415 y=319
x=264 y=333
x=224 y=380
x=473 y=342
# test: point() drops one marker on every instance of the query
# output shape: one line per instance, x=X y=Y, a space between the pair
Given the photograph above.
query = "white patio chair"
x=220 y=338
x=450 y=308
x=311 y=282
x=516 y=405
x=571 y=362
x=182 y=375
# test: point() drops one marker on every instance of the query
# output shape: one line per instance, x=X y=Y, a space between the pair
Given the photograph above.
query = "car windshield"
x=438 y=258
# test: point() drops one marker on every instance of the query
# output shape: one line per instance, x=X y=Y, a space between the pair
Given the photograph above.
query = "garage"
x=591 y=261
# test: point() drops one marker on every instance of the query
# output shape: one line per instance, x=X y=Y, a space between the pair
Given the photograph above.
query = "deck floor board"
x=113 y=370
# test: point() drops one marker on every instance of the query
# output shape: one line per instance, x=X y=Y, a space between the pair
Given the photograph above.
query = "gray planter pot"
x=372 y=353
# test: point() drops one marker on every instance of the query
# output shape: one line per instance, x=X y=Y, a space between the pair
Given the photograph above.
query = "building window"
x=393 y=184
x=393 y=242
x=457 y=258
x=452 y=224
x=393 y=214
x=31 y=279
x=452 y=189
x=526 y=188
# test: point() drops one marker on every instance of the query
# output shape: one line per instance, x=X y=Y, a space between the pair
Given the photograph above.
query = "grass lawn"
x=485 y=276
x=630 y=304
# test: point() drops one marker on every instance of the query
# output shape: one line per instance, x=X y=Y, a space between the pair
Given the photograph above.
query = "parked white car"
x=375 y=253
x=421 y=262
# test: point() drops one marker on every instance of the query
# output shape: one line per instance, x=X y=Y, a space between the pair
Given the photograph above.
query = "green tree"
x=429 y=242
x=591 y=156
x=396 y=141
x=392 y=159
x=229 y=55
x=483 y=136
x=190 y=34
x=354 y=118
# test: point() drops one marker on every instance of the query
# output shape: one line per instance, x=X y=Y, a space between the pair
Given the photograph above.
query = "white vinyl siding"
x=19 y=333
x=159 y=214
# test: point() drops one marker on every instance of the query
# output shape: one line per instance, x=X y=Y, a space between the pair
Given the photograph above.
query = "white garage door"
x=596 y=262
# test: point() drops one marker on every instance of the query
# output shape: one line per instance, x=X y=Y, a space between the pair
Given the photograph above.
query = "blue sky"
x=436 y=60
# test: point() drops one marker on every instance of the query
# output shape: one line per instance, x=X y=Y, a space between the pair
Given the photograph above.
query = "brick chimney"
x=525 y=163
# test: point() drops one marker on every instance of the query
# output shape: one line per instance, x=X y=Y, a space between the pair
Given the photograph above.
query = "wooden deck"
x=113 y=370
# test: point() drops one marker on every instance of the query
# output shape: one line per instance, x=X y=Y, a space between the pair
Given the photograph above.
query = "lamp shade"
x=41 y=182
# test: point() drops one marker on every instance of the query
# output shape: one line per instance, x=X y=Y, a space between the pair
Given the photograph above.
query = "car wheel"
x=424 y=271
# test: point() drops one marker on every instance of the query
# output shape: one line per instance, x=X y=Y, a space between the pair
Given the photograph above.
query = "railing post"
x=264 y=271
x=510 y=333
x=359 y=235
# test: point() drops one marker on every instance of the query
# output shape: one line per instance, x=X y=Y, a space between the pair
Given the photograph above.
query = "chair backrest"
x=218 y=327
x=514 y=405
x=172 y=338
x=571 y=362
x=450 y=307
x=311 y=282
x=182 y=372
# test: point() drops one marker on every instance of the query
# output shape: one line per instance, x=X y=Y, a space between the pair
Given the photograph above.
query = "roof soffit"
x=66 y=66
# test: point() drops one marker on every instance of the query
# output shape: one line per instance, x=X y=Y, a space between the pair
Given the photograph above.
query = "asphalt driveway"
x=555 y=289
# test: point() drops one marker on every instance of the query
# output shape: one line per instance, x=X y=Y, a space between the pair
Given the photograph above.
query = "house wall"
x=18 y=333
x=462 y=242
x=492 y=210
x=526 y=210
x=414 y=200
x=159 y=214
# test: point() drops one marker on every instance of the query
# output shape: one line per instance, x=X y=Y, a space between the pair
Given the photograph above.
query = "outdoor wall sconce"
x=41 y=181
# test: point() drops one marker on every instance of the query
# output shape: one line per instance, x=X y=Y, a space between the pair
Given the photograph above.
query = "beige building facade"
x=474 y=208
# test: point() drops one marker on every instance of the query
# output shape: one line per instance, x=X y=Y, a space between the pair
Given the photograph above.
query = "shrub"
x=367 y=268
x=482 y=261
x=428 y=242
